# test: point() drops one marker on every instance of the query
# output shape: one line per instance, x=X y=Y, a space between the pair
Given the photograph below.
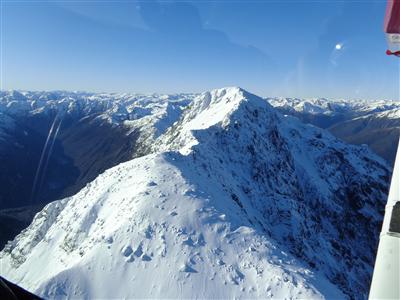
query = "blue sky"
x=271 y=48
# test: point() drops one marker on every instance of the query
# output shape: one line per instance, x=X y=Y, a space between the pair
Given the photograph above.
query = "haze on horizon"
x=293 y=49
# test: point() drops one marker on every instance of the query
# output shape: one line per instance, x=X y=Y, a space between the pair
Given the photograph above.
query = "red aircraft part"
x=397 y=53
x=392 y=18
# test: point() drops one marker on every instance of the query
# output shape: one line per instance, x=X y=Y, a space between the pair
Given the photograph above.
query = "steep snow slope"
x=143 y=230
x=235 y=201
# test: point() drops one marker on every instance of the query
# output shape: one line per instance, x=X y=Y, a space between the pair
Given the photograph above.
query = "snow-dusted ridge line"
x=152 y=113
x=114 y=107
x=115 y=104
x=236 y=200
x=323 y=106
x=374 y=123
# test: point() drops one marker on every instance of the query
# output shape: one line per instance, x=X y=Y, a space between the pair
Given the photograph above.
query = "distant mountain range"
x=220 y=196
x=374 y=123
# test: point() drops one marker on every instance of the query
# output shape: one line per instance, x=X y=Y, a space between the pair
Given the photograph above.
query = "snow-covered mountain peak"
x=213 y=109
x=236 y=201
x=215 y=106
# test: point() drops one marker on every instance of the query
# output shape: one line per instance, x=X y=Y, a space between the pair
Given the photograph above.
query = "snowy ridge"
x=328 y=107
x=149 y=115
x=391 y=114
x=206 y=110
x=91 y=133
x=374 y=123
x=136 y=236
x=236 y=200
x=114 y=108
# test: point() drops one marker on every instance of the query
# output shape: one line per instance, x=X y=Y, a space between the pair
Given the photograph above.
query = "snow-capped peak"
x=218 y=107
x=236 y=201
x=215 y=106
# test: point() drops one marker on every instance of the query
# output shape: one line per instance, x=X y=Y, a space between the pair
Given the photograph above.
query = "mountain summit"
x=234 y=200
